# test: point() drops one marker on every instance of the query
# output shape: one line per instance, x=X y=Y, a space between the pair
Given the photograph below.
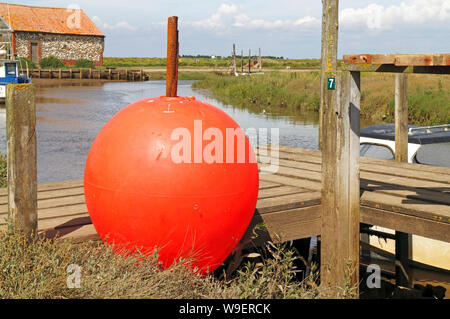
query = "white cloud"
x=231 y=16
x=376 y=16
x=121 y=25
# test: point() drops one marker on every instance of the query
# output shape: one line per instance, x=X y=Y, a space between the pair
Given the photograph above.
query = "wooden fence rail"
x=100 y=74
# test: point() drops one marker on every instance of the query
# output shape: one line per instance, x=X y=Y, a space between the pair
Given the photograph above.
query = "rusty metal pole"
x=172 y=57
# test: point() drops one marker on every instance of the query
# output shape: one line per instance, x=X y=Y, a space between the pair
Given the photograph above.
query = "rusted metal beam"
x=172 y=56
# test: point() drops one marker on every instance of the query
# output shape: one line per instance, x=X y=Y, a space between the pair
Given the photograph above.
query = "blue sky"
x=289 y=28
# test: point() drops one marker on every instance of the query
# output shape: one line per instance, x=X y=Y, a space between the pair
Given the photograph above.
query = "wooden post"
x=234 y=58
x=21 y=141
x=403 y=244
x=109 y=74
x=339 y=142
x=249 y=61
x=242 y=61
x=260 y=61
x=172 y=57
x=90 y=73
x=340 y=186
x=330 y=25
x=60 y=74
x=81 y=74
x=401 y=117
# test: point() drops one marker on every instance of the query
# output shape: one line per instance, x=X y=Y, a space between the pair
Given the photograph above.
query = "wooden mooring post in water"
x=21 y=156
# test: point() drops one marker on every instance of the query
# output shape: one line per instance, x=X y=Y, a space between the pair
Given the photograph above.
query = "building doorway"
x=34 y=54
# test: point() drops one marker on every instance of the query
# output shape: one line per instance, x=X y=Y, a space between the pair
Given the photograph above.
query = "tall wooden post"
x=330 y=25
x=249 y=61
x=234 y=58
x=339 y=133
x=21 y=141
x=260 y=61
x=341 y=186
x=172 y=57
x=403 y=244
x=242 y=61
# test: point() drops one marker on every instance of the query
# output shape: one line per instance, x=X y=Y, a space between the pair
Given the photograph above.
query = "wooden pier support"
x=339 y=142
x=341 y=186
x=22 y=160
x=403 y=241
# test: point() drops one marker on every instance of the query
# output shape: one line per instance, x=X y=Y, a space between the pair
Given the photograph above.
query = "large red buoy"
x=175 y=174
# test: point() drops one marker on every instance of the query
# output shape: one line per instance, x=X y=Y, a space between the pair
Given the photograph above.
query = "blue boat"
x=10 y=74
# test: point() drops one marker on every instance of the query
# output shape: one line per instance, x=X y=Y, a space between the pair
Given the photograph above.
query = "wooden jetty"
x=93 y=74
x=412 y=198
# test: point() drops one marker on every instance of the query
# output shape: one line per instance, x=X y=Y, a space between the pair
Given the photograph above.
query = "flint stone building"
x=39 y=32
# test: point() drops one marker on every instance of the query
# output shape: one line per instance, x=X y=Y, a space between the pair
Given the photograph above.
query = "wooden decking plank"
x=53 y=202
x=397 y=186
x=279 y=191
x=313 y=163
x=287 y=202
x=50 y=194
x=74 y=233
x=54 y=212
x=376 y=199
x=313 y=155
x=297 y=182
x=52 y=186
x=406 y=223
x=407 y=206
x=289 y=224
x=64 y=221
x=265 y=184
x=414 y=59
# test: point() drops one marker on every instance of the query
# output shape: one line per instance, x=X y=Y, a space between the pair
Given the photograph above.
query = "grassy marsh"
x=294 y=93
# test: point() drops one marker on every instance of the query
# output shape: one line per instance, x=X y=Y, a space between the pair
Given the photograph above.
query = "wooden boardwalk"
x=410 y=198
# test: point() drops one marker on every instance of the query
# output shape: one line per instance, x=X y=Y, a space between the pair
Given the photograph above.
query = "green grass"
x=219 y=62
x=182 y=75
x=294 y=94
x=274 y=92
x=37 y=268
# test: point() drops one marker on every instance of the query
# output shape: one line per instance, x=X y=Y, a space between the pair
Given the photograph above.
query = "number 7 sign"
x=331 y=83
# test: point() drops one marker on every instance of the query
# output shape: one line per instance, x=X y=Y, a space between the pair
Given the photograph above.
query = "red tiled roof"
x=48 y=20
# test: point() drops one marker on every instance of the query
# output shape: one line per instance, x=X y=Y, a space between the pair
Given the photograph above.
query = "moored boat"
x=427 y=145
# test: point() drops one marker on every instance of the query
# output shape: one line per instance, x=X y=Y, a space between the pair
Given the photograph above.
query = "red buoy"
x=172 y=173
x=160 y=175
